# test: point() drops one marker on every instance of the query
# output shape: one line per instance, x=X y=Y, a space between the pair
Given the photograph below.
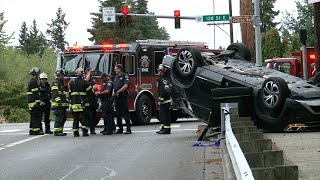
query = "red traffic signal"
x=176 y=13
x=125 y=10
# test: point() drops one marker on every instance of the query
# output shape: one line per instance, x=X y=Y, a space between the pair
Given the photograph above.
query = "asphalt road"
x=142 y=155
x=302 y=149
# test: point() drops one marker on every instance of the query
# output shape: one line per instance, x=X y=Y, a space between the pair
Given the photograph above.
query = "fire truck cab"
x=140 y=60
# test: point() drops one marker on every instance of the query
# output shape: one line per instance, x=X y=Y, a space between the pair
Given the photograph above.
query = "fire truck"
x=139 y=59
x=293 y=65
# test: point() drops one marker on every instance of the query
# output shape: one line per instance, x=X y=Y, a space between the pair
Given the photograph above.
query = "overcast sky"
x=78 y=14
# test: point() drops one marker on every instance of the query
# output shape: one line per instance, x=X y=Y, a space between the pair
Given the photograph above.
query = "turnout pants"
x=83 y=118
x=35 y=119
x=107 y=113
x=60 y=118
x=164 y=115
x=92 y=116
x=122 y=111
x=45 y=116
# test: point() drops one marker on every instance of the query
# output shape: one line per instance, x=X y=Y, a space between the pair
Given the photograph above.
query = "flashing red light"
x=107 y=46
x=98 y=88
x=125 y=10
x=312 y=56
x=177 y=13
x=123 y=45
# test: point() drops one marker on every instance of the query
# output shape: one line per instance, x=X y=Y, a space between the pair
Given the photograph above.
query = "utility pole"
x=256 y=21
x=247 y=28
x=231 y=26
x=316 y=14
x=214 y=27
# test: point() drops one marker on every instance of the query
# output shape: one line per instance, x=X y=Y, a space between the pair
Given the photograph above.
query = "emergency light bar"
x=99 y=47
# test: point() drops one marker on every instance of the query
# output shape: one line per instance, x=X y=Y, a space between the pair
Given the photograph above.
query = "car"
x=277 y=99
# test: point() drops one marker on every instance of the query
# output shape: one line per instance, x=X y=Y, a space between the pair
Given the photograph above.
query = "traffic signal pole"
x=150 y=15
x=256 y=21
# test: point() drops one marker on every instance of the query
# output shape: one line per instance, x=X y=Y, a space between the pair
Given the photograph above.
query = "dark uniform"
x=34 y=104
x=107 y=108
x=121 y=102
x=79 y=89
x=45 y=96
x=59 y=105
x=93 y=101
x=165 y=101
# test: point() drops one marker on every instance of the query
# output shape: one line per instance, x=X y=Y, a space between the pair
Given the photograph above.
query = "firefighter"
x=34 y=102
x=107 y=104
x=164 y=101
x=93 y=101
x=79 y=90
x=59 y=102
x=121 y=93
x=45 y=96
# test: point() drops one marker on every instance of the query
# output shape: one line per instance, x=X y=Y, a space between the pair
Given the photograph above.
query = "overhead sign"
x=313 y=1
x=209 y=18
x=241 y=19
x=108 y=14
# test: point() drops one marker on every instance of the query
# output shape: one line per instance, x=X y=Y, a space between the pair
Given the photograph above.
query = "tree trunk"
x=316 y=14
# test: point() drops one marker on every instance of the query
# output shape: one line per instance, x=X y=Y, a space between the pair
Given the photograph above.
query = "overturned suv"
x=277 y=99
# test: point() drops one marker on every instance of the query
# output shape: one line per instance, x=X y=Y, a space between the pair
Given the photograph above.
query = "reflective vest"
x=79 y=91
x=59 y=94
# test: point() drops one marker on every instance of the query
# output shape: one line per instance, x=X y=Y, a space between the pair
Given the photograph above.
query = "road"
x=142 y=155
x=302 y=149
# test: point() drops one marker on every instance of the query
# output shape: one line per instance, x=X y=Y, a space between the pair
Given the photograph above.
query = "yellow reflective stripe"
x=74 y=130
x=77 y=107
x=167 y=101
x=30 y=105
x=84 y=127
x=79 y=93
x=88 y=88
x=54 y=104
x=34 y=129
x=37 y=101
x=29 y=93
x=60 y=92
x=57 y=99
x=65 y=104
x=167 y=127
x=54 y=88
x=161 y=99
x=42 y=103
x=57 y=129
x=35 y=89
x=87 y=104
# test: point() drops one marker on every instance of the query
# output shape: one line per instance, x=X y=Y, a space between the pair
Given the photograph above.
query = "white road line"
x=2 y=149
x=158 y=130
x=77 y=167
x=11 y=130
x=23 y=141
x=175 y=126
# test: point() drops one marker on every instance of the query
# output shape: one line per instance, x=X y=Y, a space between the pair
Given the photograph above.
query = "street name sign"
x=241 y=19
x=108 y=14
x=210 y=18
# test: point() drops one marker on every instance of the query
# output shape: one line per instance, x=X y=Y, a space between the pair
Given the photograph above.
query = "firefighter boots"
x=85 y=132
x=76 y=134
x=59 y=133
x=128 y=131
x=165 y=131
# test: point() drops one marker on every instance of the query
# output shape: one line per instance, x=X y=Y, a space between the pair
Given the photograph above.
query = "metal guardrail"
x=240 y=165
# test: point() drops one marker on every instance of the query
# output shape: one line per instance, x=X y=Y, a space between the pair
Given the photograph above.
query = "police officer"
x=34 y=102
x=121 y=93
x=107 y=104
x=93 y=101
x=59 y=102
x=79 y=89
x=45 y=96
x=164 y=101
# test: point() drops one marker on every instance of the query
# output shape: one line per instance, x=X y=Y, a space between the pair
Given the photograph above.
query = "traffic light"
x=177 y=24
x=125 y=10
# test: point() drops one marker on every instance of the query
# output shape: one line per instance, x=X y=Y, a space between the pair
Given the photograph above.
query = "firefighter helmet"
x=60 y=72
x=43 y=76
x=79 y=71
x=34 y=71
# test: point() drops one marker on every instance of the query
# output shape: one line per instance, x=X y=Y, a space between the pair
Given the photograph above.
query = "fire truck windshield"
x=100 y=62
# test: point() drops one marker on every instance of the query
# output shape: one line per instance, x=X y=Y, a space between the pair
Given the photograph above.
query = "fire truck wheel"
x=187 y=61
x=144 y=110
x=242 y=51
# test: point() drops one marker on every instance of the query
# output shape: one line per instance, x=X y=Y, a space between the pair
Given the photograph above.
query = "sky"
x=78 y=14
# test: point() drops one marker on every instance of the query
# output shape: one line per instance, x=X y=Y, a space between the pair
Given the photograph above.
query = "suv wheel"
x=242 y=51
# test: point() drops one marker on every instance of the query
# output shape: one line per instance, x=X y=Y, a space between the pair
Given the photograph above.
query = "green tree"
x=271 y=46
x=268 y=15
x=23 y=37
x=57 y=29
x=36 y=43
x=141 y=28
x=304 y=20
x=295 y=43
x=4 y=38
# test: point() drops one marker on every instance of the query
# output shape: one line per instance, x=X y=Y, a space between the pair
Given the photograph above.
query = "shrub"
x=16 y=115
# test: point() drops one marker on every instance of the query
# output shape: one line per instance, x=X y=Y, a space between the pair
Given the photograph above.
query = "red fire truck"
x=140 y=60
x=293 y=65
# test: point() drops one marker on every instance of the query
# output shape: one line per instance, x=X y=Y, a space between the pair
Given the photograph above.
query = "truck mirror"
x=303 y=36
